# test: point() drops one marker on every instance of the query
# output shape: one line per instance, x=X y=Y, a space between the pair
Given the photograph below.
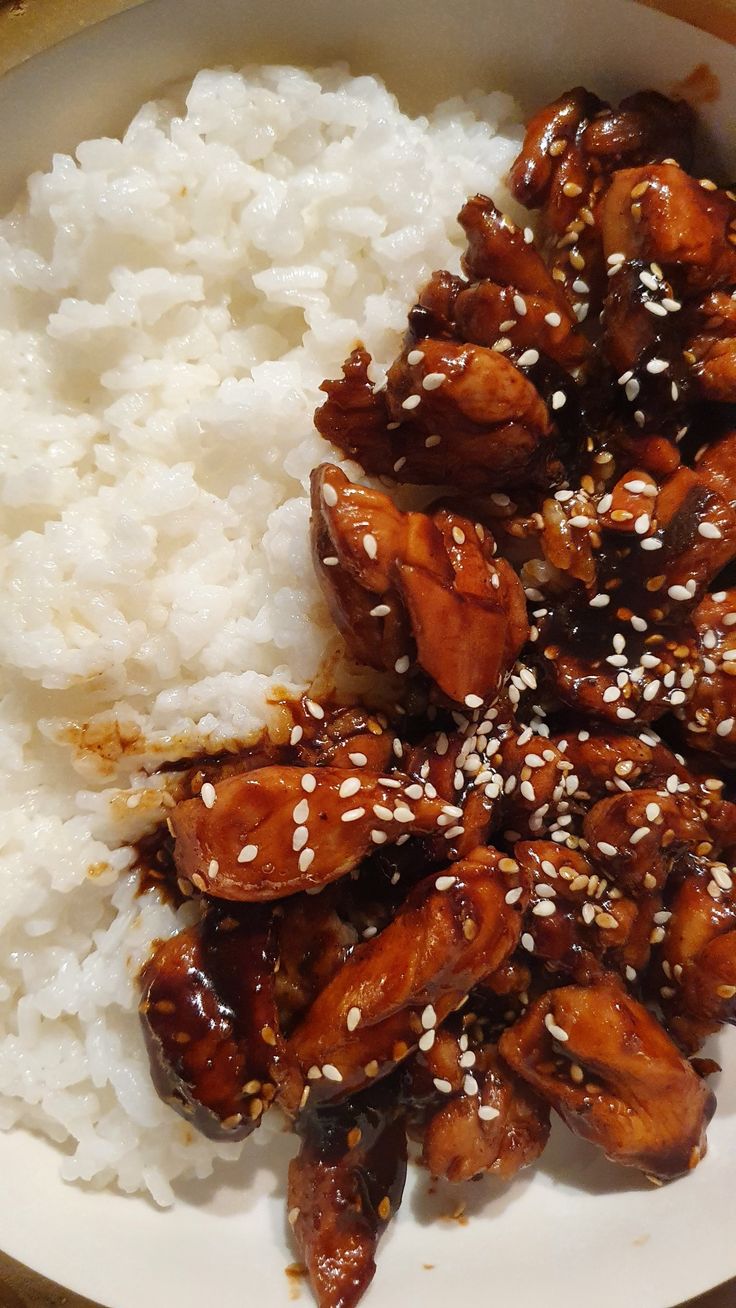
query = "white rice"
x=168 y=307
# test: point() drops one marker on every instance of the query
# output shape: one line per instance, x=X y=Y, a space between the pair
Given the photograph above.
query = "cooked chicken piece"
x=614 y=1076
x=572 y=907
x=696 y=979
x=512 y=296
x=345 y=1184
x=716 y=466
x=209 y=1019
x=476 y=1117
x=348 y=737
x=570 y=152
x=709 y=716
x=494 y=427
x=485 y=426
x=711 y=349
x=395 y=989
x=416 y=588
x=459 y=767
x=278 y=830
x=434 y=312
x=634 y=837
x=672 y=220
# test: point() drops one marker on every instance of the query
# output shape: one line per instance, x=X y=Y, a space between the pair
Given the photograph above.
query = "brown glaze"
x=637 y=1098
x=345 y=1185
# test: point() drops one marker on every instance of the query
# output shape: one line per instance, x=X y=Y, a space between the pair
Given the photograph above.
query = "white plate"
x=576 y=1230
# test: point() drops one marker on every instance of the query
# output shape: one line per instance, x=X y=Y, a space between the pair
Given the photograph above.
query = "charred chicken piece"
x=475 y=1116
x=614 y=1076
x=209 y=1019
x=345 y=1184
x=278 y=830
x=452 y=930
x=408 y=588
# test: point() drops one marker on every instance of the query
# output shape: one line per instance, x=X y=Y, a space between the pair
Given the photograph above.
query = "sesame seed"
x=403 y=814
x=353 y=1018
x=411 y=402
x=379 y=837
x=370 y=545
x=299 y=839
x=296 y=735
x=725 y=727
x=679 y=593
x=670 y=306
x=350 y=786
x=487 y=1113
x=638 y=835
x=330 y=1072
x=527 y=942
x=520 y=305
x=607 y=849
x=306 y=858
x=588 y=913
x=470 y=1085
x=331 y=561
x=329 y=495
x=709 y=531
x=606 y=922
x=248 y=853
x=642 y=523
x=656 y=366
x=600 y=601
x=402 y=664
x=528 y=358
x=427 y=1040
x=358 y=760
x=314 y=709
x=414 y=357
x=513 y=896
x=473 y=701
x=553 y=319
x=651 y=544
x=544 y=909
x=657 y=309
x=381 y=611
x=555 y=1031
x=444 y=883
x=653 y=811
x=442 y=1085
x=632 y=389
x=432 y=381
x=300 y=812
x=208 y=794
x=352 y=814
